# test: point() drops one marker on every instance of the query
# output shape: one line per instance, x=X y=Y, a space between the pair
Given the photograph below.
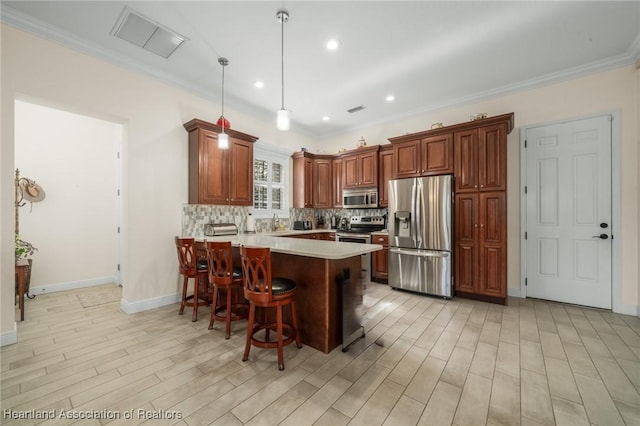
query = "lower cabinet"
x=480 y=250
x=380 y=259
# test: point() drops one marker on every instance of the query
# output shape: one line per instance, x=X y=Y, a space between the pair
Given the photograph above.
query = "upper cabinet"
x=360 y=168
x=421 y=154
x=385 y=173
x=312 y=181
x=337 y=182
x=219 y=176
x=322 y=183
x=480 y=158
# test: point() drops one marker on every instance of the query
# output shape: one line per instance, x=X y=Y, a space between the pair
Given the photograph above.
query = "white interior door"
x=568 y=212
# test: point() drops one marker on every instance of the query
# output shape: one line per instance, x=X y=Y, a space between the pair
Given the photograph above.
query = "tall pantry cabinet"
x=480 y=170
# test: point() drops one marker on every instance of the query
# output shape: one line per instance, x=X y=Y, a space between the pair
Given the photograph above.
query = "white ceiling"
x=428 y=54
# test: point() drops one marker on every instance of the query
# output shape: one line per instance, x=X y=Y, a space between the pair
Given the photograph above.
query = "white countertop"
x=278 y=243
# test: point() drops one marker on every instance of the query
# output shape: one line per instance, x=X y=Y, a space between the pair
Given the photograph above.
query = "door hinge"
x=118 y=155
x=118 y=229
x=525 y=282
x=525 y=235
x=525 y=143
x=525 y=189
x=118 y=192
x=118 y=267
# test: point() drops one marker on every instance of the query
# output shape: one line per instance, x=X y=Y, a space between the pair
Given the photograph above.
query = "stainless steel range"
x=359 y=230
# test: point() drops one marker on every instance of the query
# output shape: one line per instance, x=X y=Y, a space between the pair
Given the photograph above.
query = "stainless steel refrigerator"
x=421 y=235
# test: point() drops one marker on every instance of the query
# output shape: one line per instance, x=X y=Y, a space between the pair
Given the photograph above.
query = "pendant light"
x=283 y=115
x=223 y=138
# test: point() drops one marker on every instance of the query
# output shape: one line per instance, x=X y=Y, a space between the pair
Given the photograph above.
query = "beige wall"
x=155 y=150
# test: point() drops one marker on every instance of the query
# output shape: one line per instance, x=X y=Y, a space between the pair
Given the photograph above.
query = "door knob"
x=604 y=225
x=601 y=236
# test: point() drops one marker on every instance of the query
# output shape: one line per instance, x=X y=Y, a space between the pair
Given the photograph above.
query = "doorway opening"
x=77 y=160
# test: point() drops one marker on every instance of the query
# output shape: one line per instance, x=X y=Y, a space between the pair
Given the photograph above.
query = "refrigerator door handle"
x=419 y=253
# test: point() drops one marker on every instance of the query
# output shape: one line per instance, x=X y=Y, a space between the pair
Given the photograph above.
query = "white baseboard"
x=627 y=310
x=71 y=285
x=145 y=305
x=9 y=337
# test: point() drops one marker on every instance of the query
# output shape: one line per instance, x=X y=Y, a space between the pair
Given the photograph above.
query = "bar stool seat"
x=263 y=290
x=191 y=267
x=227 y=279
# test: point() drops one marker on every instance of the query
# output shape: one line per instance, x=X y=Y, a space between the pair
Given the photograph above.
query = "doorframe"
x=616 y=266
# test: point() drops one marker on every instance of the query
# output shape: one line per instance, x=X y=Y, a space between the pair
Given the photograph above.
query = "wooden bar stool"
x=263 y=290
x=224 y=277
x=191 y=267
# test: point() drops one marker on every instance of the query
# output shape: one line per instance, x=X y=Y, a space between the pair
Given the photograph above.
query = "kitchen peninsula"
x=322 y=270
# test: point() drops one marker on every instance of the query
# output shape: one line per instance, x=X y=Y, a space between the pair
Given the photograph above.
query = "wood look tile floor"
x=424 y=361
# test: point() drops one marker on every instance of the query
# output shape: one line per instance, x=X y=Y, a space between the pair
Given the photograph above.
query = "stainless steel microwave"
x=361 y=198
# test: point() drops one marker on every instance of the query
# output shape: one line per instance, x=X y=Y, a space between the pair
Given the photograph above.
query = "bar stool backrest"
x=187 y=260
x=220 y=261
x=256 y=268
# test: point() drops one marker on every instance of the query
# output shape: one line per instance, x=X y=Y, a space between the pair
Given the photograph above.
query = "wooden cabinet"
x=380 y=258
x=422 y=154
x=481 y=241
x=360 y=170
x=322 y=183
x=312 y=181
x=480 y=209
x=385 y=173
x=219 y=176
x=480 y=159
x=337 y=182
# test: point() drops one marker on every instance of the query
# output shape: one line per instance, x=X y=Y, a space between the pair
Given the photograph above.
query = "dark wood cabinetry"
x=422 y=154
x=385 y=173
x=312 y=181
x=380 y=258
x=480 y=159
x=219 y=176
x=322 y=183
x=480 y=209
x=337 y=182
x=360 y=169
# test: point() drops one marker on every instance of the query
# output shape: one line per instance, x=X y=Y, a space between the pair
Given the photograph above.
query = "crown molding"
x=24 y=22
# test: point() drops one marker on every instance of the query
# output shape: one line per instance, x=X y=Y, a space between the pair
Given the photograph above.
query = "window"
x=270 y=172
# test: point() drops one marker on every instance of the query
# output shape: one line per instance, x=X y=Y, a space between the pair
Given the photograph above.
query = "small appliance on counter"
x=251 y=225
x=217 y=229
x=302 y=225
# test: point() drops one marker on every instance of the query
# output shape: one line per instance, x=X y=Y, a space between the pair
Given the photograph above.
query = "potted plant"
x=23 y=250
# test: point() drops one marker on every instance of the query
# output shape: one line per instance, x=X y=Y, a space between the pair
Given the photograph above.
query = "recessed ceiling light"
x=333 y=44
x=390 y=98
x=259 y=84
x=326 y=118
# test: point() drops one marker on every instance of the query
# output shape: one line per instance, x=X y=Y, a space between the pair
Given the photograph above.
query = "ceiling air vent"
x=355 y=109
x=142 y=31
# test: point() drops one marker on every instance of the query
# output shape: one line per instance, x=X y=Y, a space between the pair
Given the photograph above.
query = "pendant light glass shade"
x=284 y=121
x=223 y=138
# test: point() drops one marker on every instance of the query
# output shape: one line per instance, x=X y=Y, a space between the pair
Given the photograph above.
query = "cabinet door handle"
x=475 y=186
x=481 y=186
x=476 y=225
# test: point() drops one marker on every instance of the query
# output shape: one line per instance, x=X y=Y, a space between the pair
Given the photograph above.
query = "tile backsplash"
x=195 y=216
